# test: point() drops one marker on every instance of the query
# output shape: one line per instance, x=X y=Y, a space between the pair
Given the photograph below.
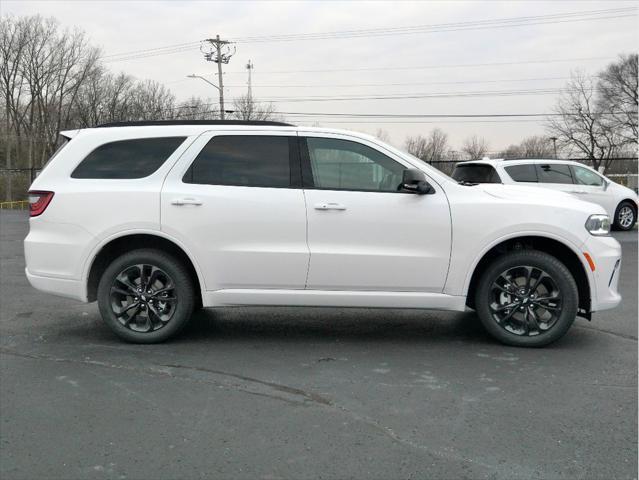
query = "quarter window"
x=136 y=158
x=554 y=173
x=583 y=176
x=243 y=160
x=522 y=173
x=344 y=165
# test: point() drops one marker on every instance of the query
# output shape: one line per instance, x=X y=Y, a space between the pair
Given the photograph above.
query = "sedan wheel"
x=626 y=217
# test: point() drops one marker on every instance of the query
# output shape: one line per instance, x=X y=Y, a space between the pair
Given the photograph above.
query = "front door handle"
x=578 y=193
x=329 y=206
x=186 y=201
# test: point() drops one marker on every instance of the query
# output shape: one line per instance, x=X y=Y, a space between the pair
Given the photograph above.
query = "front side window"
x=476 y=173
x=243 y=160
x=522 y=173
x=553 y=173
x=583 y=176
x=345 y=165
x=126 y=159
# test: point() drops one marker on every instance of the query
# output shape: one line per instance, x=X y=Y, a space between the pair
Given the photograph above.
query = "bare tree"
x=579 y=124
x=246 y=107
x=430 y=149
x=536 y=146
x=383 y=135
x=197 y=108
x=618 y=96
x=475 y=147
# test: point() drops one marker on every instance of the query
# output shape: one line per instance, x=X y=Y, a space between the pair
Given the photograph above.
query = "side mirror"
x=414 y=180
x=606 y=184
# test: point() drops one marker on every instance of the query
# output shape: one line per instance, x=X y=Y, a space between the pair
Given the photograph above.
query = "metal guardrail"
x=16 y=204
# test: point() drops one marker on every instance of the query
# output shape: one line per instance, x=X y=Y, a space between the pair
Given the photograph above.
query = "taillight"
x=38 y=202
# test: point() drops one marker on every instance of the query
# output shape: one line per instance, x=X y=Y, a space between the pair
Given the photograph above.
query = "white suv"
x=156 y=219
x=575 y=178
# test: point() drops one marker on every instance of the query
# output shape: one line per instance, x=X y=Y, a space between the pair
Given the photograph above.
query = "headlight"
x=598 y=225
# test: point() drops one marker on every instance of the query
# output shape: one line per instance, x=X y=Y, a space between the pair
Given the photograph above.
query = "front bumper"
x=606 y=254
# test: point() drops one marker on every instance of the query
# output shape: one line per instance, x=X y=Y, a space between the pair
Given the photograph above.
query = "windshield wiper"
x=466 y=183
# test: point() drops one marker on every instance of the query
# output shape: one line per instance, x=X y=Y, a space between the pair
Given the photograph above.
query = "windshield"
x=476 y=173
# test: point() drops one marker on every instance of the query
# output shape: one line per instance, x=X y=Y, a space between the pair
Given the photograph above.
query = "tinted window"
x=522 y=173
x=553 y=173
x=344 y=165
x=127 y=158
x=584 y=176
x=476 y=173
x=243 y=160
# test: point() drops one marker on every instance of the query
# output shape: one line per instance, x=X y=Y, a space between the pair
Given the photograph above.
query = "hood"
x=539 y=196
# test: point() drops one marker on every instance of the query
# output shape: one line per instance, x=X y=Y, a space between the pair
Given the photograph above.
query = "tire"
x=159 y=315
x=625 y=216
x=557 y=291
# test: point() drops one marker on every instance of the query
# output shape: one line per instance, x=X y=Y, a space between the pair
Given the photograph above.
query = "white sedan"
x=575 y=178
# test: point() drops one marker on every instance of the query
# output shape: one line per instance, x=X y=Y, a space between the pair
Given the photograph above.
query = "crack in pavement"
x=446 y=453
x=609 y=332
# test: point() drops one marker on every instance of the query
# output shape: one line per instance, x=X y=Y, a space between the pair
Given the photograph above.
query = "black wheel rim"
x=525 y=301
x=143 y=298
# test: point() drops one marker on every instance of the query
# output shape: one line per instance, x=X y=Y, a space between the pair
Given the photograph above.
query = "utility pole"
x=249 y=67
x=218 y=51
x=554 y=145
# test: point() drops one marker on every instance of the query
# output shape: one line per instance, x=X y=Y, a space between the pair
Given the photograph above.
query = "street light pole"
x=210 y=83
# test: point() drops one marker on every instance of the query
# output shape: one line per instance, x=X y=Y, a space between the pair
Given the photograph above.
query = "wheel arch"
x=128 y=241
x=560 y=250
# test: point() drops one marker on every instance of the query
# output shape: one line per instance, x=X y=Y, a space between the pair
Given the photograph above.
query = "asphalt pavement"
x=275 y=393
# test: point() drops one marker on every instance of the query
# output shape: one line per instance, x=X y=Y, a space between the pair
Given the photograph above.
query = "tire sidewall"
x=183 y=289
x=559 y=273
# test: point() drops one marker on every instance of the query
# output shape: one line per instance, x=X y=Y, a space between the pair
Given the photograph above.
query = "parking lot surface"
x=310 y=393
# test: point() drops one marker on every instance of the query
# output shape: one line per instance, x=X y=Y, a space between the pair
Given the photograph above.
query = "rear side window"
x=522 y=173
x=553 y=173
x=476 y=173
x=584 y=176
x=243 y=160
x=136 y=158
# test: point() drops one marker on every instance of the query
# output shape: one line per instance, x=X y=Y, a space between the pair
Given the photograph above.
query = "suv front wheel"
x=146 y=296
x=527 y=298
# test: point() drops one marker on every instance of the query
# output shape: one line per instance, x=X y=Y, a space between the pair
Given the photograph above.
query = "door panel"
x=378 y=241
x=374 y=238
x=241 y=236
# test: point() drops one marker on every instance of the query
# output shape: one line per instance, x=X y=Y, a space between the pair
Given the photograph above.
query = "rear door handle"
x=329 y=206
x=578 y=193
x=186 y=201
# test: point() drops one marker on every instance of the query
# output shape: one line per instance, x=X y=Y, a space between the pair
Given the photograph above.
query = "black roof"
x=145 y=123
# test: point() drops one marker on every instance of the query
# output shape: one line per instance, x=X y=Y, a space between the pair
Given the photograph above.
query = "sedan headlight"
x=598 y=225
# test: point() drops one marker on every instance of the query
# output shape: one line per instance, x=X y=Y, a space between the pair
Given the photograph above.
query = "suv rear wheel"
x=527 y=299
x=625 y=216
x=146 y=296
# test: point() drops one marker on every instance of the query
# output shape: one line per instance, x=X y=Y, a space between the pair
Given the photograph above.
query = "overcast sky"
x=421 y=63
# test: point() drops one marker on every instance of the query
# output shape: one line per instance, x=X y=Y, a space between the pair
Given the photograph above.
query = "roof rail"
x=149 y=123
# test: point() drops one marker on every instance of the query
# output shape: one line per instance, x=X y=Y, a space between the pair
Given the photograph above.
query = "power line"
x=359 y=85
x=433 y=66
x=386 y=31
x=451 y=27
x=405 y=96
